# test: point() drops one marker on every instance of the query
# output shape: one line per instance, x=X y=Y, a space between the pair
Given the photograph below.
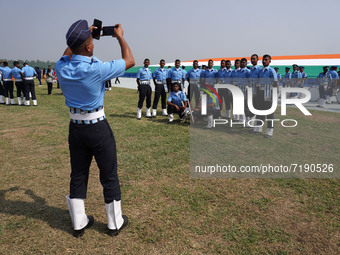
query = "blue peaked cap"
x=77 y=33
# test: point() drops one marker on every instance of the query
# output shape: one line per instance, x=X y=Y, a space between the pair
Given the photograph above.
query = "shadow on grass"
x=57 y=218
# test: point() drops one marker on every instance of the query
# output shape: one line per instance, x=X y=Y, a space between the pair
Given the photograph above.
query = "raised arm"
x=126 y=52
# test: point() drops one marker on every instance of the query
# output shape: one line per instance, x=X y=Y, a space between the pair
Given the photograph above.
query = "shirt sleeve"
x=184 y=96
x=138 y=74
x=154 y=74
x=112 y=69
x=170 y=97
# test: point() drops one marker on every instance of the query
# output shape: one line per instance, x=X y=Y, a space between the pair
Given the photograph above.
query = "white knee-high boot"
x=115 y=220
x=77 y=211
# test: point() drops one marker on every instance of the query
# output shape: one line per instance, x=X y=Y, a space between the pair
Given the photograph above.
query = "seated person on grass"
x=177 y=103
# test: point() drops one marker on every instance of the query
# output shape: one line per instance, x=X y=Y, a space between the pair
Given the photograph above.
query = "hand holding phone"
x=96 y=32
x=110 y=30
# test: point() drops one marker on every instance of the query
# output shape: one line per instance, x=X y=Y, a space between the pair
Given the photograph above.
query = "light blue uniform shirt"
x=243 y=75
x=176 y=74
x=6 y=72
x=194 y=74
x=210 y=101
x=227 y=75
x=144 y=74
x=288 y=76
x=82 y=79
x=220 y=74
x=177 y=98
x=279 y=76
x=28 y=71
x=324 y=79
x=160 y=74
x=209 y=73
x=16 y=72
x=334 y=74
x=254 y=72
x=267 y=75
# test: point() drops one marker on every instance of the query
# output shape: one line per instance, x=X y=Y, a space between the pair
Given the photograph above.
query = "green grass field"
x=169 y=212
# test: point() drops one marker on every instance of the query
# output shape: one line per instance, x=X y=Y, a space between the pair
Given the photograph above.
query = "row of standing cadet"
x=262 y=79
x=23 y=78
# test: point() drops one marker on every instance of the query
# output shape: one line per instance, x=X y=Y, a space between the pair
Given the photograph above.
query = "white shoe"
x=19 y=101
x=164 y=112
x=2 y=99
x=148 y=113
x=114 y=215
x=139 y=113
x=12 y=101
x=35 y=103
x=27 y=102
x=77 y=211
x=210 y=121
x=256 y=130
x=227 y=114
x=322 y=103
x=7 y=101
x=154 y=113
x=171 y=118
x=269 y=133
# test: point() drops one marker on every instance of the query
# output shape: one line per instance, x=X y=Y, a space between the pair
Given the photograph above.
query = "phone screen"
x=96 y=32
x=109 y=30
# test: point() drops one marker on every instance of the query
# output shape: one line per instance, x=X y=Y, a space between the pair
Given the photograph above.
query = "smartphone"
x=109 y=30
x=96 y=32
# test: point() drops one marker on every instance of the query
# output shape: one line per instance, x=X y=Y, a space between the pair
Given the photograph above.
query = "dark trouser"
x=172 y=109
x=194 y=91
x=49 y=88
x=330 y=91
x=39 y=79
x=228 y=101
x=108 y=84
x=20 y=88
x=29 y=87
x=144 y=91
x=8 y=89
x=1 y=89
x=117 y=81
x=323 y=92
x=247 y=112
x=264 y=105
x=86 y=141
x=159 y=92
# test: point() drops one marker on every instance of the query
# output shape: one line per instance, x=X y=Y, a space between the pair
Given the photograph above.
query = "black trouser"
x=264 y=105
x=247 y=112
x=117 y=81
x=49 y=88
x=108 y=84
x=229 y=101
x=193 y=91
x=144 y=91
x=20 y=88
x=1 y=89
x=86 y=141
x=159 y=92
x=8 y=89
x=172 y=109
x=322 y=92
x=29 y=87
x=39 y=79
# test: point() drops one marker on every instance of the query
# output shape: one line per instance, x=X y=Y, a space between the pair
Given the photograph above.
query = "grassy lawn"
x=169 y=212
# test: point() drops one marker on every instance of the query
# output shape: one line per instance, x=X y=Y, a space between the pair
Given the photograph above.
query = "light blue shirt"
x=288 y=76
x=176 y=74
x=243 y=75
x=6 y=72
x=267 y=75
x=144 y=74
x=324 y=78
x=16 y=72
x=227 y=75
x=82 y=79
x=194 y=74
x=177 y=98
x=334 y=74
x=160 y=74
x=254 y=72
x=209 y=73
x=220 y=73
x=28 y=71
x=296 y=75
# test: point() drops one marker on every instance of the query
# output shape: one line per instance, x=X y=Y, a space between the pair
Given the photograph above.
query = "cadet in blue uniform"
x=8 y=82
x=193 y=77
x=296 y=79
x=334 y=85
x=16 y=73
x=243 y=83
x=287 y=78
x=1 y=90
x=279 y=76
x=82 y=80
x=253 y=81
x=185 y=77
x=177 y=103
x=267 y=79
x=176 y=75
x=220 y=73
x=144 y=75
x=27 y=74
x=324 y=80
x=159 y=78
x=234 y=74
x=209 y=75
